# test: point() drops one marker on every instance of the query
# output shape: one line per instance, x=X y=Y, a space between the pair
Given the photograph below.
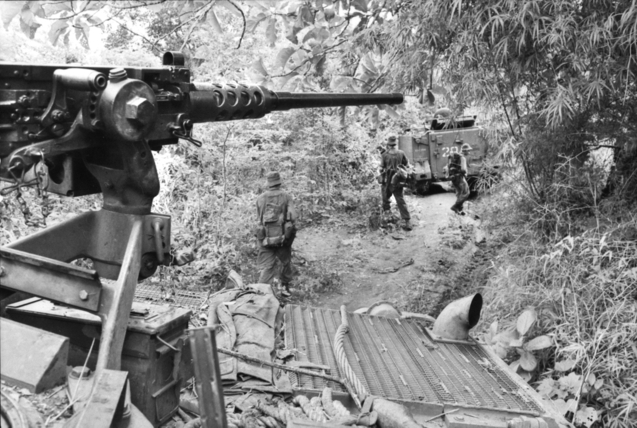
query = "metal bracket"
x=208 y=375
x=51 y=279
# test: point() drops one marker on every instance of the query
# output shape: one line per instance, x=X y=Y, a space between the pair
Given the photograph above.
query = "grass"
x=583 y=286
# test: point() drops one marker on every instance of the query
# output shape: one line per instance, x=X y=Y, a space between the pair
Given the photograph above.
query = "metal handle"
x=159 y=247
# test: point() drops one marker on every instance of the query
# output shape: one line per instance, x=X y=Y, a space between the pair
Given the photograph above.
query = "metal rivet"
x=83 y=295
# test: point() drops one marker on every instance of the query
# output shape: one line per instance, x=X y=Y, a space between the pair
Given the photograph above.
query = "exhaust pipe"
x=458 y=317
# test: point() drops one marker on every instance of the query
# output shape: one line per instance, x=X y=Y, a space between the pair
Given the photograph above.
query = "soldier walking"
x=393 y=167
x=457 y=171
x=275 y=233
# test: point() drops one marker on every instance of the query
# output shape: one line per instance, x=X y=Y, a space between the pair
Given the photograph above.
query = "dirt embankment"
x=419 y=271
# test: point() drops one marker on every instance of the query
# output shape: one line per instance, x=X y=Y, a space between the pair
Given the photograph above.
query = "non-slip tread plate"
x=399 y=360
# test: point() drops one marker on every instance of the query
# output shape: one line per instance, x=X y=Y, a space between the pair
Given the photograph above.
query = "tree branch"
x=192 y=28
x=178 y=26
x=244 y=22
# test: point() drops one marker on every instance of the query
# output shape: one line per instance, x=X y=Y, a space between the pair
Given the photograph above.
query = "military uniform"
x=267 y=256
x=391 y=160
x=457 y=170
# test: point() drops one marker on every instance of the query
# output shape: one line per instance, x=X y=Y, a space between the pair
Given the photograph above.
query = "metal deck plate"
x=155 y=293
x=399 y=360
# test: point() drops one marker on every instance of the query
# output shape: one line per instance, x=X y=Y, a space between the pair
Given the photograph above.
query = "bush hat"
x=274 y=178
x=391 y=141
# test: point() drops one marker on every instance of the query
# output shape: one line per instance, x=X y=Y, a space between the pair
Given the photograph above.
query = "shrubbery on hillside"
x=582 y=286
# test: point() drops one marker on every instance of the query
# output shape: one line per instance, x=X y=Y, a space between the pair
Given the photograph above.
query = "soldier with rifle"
x=393 y=169
x=457 y=171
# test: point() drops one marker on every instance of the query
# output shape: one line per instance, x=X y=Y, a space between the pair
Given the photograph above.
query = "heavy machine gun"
x=77 y=131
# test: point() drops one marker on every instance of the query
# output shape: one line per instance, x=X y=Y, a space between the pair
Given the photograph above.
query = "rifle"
x=83 y=130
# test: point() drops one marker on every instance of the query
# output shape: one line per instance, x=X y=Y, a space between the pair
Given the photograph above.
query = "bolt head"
x=77 y=372
x=140 y=110
x=57 y=129
x=83 y=295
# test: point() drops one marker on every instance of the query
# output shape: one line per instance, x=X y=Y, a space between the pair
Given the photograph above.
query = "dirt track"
x=441 y=246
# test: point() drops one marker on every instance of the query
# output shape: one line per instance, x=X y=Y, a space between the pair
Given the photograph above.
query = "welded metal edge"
x=551 y=414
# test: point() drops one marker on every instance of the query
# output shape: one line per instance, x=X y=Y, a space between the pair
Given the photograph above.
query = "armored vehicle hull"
x=429 y=152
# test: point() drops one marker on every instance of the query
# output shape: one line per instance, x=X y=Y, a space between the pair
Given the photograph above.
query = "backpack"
x=274 y=220
x=455 y=164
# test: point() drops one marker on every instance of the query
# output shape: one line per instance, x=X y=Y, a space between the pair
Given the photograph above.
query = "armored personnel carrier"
x=443 y=136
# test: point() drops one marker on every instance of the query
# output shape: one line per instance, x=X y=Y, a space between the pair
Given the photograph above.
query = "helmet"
x=442 y=113
x=465 y=148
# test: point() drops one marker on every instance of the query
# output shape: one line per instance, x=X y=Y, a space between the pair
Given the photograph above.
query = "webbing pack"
x=273 y=221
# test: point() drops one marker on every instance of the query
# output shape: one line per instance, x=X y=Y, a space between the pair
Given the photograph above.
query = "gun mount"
x=82 y=130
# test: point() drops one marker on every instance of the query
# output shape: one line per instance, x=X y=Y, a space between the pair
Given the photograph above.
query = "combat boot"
x=285 y=290
x=407 y=225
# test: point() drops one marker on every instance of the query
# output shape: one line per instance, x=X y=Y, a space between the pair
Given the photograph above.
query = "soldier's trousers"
x=462 y=191
x=266 y=263
x=387 y=191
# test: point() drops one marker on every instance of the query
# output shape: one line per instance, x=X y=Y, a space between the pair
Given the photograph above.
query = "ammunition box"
x=156 y=354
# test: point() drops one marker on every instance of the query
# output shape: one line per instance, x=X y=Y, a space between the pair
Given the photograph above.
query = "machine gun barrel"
x=215 y=103
x=292 y=100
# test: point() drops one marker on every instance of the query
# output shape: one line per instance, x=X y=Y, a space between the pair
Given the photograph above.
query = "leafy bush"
x=583 y=290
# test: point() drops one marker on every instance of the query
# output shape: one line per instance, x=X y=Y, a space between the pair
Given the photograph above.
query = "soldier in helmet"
x=393 y=167
x=457 y=172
